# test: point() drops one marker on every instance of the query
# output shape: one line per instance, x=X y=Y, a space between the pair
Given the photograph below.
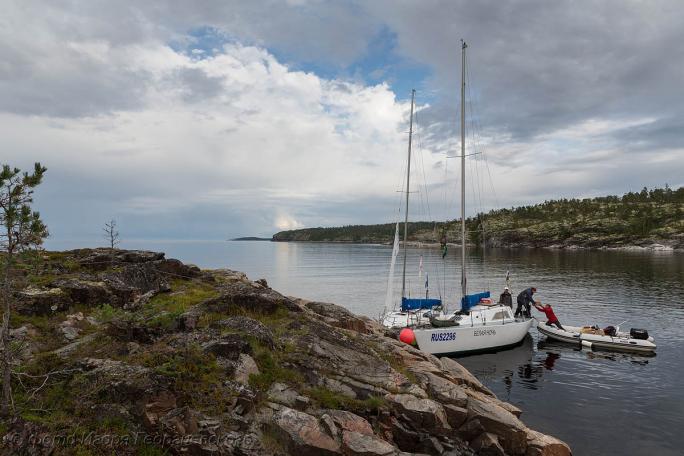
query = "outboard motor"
x=640 y=334
x=610 y=331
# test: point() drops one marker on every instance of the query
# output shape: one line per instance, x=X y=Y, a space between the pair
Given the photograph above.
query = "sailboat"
x=480 y=325
x=412 y=309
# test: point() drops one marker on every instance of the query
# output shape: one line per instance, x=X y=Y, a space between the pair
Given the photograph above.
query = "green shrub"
x=149 y=450
x=189 y=365
x=41 y=322
x=187 y=294
x=209 y=318
x=113 y=425
x=106 y=313
x=164 y=319
x=271 y=369
x=327 y=398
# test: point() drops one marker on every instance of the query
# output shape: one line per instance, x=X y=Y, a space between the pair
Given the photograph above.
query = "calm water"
x=600 y=403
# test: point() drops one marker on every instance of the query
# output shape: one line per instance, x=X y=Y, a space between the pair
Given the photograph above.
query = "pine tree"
x=21 y=230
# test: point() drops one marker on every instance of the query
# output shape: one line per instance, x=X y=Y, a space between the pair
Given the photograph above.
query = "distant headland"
x=649 y=220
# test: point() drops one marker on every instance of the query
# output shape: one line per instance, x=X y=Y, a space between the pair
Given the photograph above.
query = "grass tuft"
x=327 y=398
x=271 y=369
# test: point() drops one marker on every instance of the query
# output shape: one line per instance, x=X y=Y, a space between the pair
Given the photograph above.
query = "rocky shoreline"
x=646 y=246
x=189 y=361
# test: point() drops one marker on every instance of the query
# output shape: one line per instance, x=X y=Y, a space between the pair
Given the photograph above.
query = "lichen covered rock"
x=303 y=434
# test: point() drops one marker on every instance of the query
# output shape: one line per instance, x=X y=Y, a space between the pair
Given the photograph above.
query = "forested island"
x=647 y=219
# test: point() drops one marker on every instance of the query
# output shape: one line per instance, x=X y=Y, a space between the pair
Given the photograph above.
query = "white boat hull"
x=620 y=342
x=465 y=338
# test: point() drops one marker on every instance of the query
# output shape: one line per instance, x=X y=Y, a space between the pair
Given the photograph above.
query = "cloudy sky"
x=216 y=119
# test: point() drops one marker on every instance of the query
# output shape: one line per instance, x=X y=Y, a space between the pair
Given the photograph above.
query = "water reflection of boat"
x=553 y=346
x=502 y=363
x=634 y=358
x=530 y=374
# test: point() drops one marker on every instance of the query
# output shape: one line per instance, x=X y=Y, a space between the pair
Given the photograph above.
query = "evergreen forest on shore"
x=651 y=217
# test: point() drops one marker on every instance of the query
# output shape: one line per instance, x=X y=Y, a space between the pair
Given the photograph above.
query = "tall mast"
x=408 y=177
x=463 y=225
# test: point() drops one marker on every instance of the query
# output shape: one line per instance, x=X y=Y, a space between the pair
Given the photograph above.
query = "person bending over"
x=551 y=318
x=524 y=300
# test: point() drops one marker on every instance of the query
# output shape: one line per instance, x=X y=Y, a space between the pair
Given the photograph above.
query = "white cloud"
x=286 y=222
x=236 y=132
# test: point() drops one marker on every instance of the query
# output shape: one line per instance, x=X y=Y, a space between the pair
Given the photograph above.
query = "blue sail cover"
x=419 y=303
x=472 y=300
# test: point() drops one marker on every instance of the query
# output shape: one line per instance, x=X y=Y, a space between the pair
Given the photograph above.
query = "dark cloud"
x=663 y=133
x=537 y=66
x=77 y=89
x=534 y=67
x=197 y=85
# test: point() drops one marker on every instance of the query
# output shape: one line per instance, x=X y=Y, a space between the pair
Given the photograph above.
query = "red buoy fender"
x=407 y=336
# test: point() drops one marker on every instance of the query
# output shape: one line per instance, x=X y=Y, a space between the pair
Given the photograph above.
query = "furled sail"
x=389 y=299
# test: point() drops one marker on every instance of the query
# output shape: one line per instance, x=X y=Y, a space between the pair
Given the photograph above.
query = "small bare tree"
x=21 y=230
x=111 y=234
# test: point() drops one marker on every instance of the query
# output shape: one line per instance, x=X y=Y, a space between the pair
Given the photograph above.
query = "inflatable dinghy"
x=636 y=340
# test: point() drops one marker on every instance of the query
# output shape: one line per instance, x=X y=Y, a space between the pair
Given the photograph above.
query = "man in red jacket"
x=551 y=317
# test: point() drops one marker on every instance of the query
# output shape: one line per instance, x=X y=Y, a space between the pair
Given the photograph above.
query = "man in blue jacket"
x=524 y=300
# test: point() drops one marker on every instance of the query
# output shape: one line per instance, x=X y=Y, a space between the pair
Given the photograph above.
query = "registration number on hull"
x=443 y=337
x=484 y=332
